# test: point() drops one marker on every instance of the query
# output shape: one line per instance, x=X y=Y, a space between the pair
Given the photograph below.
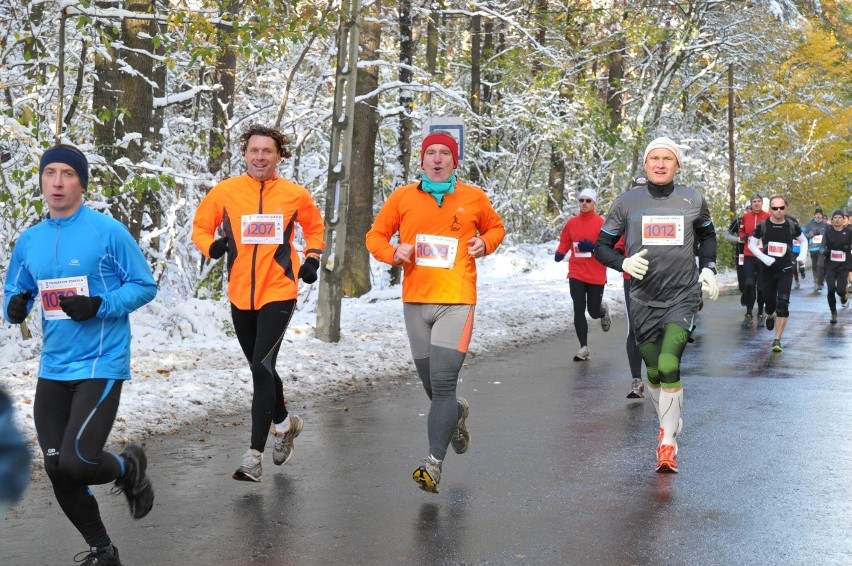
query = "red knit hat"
x=444 y=138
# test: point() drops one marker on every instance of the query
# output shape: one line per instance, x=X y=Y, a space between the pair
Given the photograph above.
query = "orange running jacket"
x=263 y=265
x=465 y=213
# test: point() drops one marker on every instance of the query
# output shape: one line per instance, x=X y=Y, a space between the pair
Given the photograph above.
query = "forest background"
x=556 y=96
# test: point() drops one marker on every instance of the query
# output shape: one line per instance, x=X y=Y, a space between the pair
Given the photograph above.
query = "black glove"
x=80 y=307
x=802 y=271
x=17 y=309
x=218 y=248
x=308 y=271
x=557 y=257
x=586 y=246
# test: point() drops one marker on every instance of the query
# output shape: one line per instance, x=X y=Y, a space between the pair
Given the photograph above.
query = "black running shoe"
x=135 y=483
x=770 y=322
x=106 y=556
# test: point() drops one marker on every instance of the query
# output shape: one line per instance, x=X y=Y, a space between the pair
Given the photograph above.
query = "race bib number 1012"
x=662 y=230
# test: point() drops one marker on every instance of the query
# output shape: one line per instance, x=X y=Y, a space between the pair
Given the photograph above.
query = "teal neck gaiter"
x=438 y=190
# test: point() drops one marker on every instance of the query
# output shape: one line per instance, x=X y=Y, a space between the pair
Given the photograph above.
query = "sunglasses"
x=777 y=207
x=586 y=200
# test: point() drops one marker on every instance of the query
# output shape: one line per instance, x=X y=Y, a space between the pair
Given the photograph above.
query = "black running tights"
x=835 y=276
x=73 y=420
x=260 y=333
x=585 y=295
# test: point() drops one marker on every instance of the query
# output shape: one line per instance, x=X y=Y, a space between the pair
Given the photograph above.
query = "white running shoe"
x=251 y=468
x=637 y=389
x=283 y=450
x=583 y=354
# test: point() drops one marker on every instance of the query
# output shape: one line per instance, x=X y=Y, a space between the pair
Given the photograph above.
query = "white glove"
x=708 y=283
x=636 y=265
x=767 y=260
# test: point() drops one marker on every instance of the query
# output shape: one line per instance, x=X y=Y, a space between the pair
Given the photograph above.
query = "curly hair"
x=281 y=141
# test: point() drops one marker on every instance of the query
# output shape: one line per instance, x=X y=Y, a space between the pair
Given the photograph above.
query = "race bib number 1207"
x=262 y=229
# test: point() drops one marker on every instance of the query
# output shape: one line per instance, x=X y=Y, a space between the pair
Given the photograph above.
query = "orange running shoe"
x=666 y=459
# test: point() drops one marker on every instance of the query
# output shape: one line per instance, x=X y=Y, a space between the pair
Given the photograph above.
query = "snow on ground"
x=187 y=364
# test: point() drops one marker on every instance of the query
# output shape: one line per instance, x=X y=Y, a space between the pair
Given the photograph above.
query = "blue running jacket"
x=64 y=255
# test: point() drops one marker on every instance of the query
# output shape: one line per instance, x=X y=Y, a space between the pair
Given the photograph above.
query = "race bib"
x=578 y=253
x=662 y=230
x=838 y=255
x=776 y=249
x=52 y=290
x=741 y=259
x=817 y=239
x=262 y=229
x=435 y=251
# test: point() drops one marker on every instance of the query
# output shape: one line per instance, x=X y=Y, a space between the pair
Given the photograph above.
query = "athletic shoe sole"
x=665 y=464
x=424 y=480
x=667 y=468
x=241 y=475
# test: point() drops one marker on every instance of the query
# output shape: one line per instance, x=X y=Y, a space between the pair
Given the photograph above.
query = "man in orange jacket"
x=444 y=225
x=257 y=213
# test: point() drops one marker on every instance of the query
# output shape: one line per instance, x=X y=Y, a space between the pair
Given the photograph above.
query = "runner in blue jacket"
x=88 y=275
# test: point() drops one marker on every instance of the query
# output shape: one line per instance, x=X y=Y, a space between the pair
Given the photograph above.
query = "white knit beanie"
x=664 y=143
x=588 y=193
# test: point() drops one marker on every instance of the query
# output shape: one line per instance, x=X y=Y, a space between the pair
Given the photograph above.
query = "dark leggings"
x=818 y=267
x=634 y=356
x=583 y=294
x=73 y=420
x=260 y=333
x=835 y=276
x=776 y=290
x=752 y=284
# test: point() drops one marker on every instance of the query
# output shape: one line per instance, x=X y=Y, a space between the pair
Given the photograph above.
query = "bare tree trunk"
x=125 y=101
x=223 y=101
x=356 y=270
x=475 y=85
x=152 y=135
x=556 y=181
x=556 y=171
x=406 y=98
x=615 y=85
x=732 y=156
x=432 y=38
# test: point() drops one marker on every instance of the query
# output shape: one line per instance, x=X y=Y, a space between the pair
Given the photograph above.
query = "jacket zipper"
x=254 y=252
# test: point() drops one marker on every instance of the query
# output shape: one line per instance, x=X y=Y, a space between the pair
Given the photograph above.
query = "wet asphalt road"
x=561 y=469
